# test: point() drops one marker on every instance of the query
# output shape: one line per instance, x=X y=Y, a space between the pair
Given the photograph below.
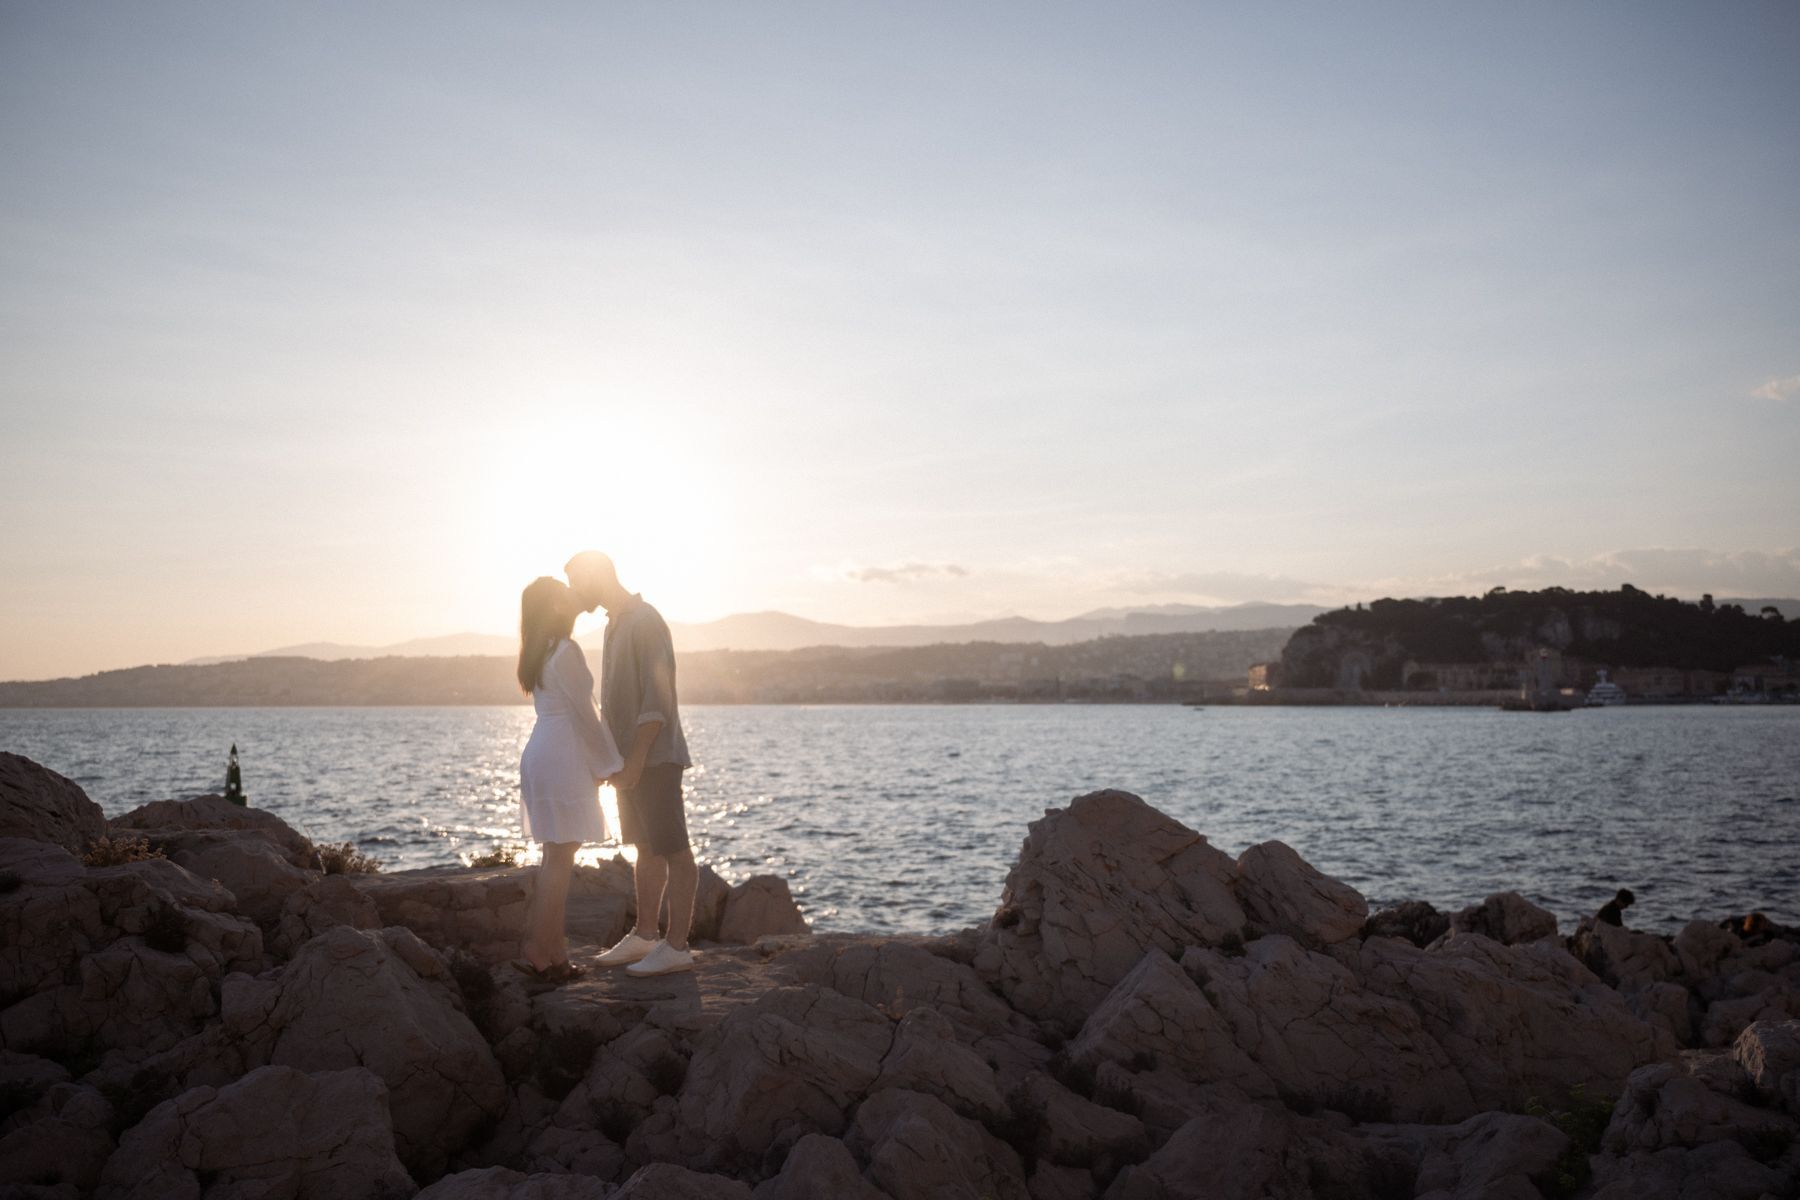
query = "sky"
x=342 y=322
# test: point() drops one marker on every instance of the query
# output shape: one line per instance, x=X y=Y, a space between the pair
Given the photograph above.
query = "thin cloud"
x=906 y=572
x=1779 y=389
x=1225 y=586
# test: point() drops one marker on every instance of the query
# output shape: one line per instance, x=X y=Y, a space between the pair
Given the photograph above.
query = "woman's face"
x=564 y=606
x=554 y=605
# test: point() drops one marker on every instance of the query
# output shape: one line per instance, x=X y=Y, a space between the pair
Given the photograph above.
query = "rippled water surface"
x=907 y=818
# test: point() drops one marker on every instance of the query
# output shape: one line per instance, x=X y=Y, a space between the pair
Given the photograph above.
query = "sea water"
x=907 y=818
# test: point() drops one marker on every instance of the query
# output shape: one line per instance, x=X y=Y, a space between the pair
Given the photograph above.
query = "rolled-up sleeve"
x=656 y=684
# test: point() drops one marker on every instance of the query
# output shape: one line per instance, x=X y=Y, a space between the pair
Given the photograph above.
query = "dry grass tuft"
x=106 y=851
x=345 y=859
x=501 y=855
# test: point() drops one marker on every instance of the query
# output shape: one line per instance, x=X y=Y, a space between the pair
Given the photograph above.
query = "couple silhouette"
x=632 y=740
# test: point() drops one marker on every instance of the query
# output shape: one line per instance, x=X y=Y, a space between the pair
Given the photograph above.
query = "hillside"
x=1156 y=666
x=1369 y=646
x=780 y=631
x=1163 y=666
x=783 y=631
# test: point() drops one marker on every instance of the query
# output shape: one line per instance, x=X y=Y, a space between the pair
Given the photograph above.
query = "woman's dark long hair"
x=546 y=615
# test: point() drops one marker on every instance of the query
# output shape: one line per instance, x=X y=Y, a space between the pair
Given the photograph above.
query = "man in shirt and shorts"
x=637 y=702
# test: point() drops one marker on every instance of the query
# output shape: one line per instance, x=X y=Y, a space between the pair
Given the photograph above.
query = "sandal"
x=553 y=975
x=563 y=972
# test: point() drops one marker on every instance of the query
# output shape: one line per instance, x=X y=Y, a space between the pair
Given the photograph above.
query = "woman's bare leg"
x=546 y=934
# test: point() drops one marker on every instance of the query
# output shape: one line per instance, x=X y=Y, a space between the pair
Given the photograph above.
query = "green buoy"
x=234 y=779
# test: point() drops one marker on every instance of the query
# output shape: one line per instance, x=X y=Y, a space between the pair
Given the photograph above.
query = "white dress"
x=569 y=748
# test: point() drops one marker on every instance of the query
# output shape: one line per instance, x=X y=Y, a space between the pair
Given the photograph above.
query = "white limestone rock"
x=1096 y=886
x=1283 y=893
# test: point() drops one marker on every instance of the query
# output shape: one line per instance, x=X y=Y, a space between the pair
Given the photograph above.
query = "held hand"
x=627 y=778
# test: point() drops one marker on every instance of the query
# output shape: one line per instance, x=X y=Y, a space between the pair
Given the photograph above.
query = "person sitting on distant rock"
x=570 y=751
x=1613 y=911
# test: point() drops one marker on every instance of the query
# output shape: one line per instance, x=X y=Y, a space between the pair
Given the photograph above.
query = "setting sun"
x=617 y=484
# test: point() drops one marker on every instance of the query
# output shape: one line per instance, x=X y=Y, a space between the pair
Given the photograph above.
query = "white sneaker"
x=629 y=949
x=664 y=960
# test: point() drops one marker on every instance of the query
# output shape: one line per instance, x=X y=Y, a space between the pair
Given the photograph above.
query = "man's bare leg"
x=651 y=875
x=684 y=877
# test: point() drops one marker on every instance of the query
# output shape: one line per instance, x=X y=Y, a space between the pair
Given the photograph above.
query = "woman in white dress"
x=569 y=753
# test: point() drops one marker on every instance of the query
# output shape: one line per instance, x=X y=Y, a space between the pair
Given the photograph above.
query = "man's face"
x=588 y=586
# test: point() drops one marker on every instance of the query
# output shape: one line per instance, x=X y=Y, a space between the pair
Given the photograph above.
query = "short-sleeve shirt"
x=637 y=683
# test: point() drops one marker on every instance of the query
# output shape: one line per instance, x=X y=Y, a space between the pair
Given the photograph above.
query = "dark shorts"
x=652 y=815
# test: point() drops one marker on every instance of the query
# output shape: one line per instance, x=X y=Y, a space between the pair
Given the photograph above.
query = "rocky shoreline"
x=1144 y=1017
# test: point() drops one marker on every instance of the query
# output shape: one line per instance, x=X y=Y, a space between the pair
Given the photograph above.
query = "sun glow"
x=629 y=492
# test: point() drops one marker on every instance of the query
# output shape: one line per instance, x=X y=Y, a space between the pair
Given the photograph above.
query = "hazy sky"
x=341 y=322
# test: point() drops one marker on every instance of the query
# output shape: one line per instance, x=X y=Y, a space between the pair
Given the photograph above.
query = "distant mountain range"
x=782 y=631
x=1158 y=667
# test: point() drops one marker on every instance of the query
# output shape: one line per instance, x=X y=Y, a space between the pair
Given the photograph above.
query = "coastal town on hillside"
x=1571 y=677
x=1549 y=649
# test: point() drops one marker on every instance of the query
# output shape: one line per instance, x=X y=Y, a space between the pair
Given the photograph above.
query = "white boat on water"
x=1605 y=693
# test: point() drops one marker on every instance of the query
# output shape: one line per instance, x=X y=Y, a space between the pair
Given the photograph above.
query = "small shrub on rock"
x=107 y=851
x=499 y=855
x=1584 y=1122
x=345 y=859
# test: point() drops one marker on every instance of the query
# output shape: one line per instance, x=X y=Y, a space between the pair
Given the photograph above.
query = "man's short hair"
x=591 y=560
